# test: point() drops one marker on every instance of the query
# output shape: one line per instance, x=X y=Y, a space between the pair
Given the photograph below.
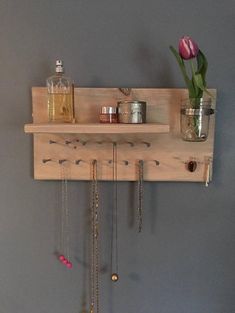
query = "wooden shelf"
x=158 y=143
x=97 y=128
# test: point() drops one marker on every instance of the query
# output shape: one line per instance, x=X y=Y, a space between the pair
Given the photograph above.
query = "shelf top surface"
x=96 y=128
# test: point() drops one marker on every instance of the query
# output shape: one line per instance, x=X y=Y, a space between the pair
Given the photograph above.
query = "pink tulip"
x=188 y=49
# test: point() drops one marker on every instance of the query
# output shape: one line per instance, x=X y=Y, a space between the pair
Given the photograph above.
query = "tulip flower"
x=189 y=51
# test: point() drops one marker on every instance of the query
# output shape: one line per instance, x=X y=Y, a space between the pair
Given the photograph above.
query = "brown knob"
x=191 y=166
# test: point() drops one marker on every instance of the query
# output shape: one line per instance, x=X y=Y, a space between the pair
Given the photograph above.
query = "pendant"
x=114 y=277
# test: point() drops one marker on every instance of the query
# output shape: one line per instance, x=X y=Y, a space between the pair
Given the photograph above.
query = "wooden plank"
x=168 y=149
x=96 y=128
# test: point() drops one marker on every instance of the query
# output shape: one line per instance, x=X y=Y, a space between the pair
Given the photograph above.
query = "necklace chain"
x=94 y=270
x=140 y=195
x=65 y=214
x=114 y=225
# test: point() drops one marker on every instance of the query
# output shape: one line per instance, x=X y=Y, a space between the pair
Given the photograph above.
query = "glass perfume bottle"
x=60 y=96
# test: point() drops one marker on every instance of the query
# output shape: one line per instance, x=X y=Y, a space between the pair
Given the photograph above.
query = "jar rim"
x=193 y=112
x=108 y=110
x=201 y=100
x=131 y=102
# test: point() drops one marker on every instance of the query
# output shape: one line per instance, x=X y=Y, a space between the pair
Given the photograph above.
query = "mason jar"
x=195 y=118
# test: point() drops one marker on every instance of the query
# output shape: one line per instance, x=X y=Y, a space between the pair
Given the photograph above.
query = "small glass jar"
x=108 y=114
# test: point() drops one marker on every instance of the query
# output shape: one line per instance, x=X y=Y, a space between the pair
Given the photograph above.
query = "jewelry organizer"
x=165 y=156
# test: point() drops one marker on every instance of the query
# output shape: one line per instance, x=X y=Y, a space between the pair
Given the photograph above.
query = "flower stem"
x=196 y=90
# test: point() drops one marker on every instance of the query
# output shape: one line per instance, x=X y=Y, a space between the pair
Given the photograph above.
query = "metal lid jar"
x=132 y=112
x=108 y=114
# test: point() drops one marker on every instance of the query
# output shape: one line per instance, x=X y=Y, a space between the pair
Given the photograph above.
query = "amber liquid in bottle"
x=60 y=97
x=60 y=107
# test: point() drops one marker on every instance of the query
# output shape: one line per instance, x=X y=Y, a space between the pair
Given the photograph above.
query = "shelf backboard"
x=165 y=155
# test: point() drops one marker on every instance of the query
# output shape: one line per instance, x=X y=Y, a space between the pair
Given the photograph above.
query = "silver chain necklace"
x=94 y=262
x=114 y=226
x=140 y=195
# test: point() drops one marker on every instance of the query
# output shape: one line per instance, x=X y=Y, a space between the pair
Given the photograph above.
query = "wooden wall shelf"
x=97 y=128
x=158 y=143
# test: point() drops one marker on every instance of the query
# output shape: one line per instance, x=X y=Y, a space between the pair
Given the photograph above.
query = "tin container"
x=132 y=112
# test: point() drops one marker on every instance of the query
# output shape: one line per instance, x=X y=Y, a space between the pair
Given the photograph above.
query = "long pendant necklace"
x=64 y=256
x=94 y=263
x=140 y=195
x=114 y=227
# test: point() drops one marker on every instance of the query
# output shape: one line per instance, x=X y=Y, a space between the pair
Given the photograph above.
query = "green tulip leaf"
x=198 y=91
x=183 y=70
x=198 y=79
x=202 y=66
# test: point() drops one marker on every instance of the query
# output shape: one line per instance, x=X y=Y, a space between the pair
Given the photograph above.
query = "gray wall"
x=184 y=260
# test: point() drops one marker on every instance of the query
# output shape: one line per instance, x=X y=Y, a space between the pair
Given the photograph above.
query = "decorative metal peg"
x=77 y=162
x=94 y=161
x=148 y=144
x=83 y=142
x=46 y=160
x=157 y=163
x=70 y=142
x=131 y=143
x=62 y=161
x=208 y=171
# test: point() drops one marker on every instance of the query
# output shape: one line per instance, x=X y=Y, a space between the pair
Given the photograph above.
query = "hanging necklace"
x=94 y=263
x=140 y=195
x=64 y=256
x=114 y=226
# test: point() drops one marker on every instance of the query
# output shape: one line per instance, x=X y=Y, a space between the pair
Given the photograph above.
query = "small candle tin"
x=132 y=112
x=108 y=114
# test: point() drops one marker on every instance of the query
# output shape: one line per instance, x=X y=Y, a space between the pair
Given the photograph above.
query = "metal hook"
x=62 y=161
x=46 y=160
x=148 y=144
x=130 y=143
x=83 y=142
x=157 y=163
x=69 y=142
x=208 y=171
x=94 y=162
x=77 y=162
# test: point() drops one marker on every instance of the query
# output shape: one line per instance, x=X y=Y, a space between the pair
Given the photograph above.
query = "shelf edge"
x=97 y=128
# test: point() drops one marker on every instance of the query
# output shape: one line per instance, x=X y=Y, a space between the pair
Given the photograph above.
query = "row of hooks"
x=75 y=142
x=79 y=161
x=190 y=165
